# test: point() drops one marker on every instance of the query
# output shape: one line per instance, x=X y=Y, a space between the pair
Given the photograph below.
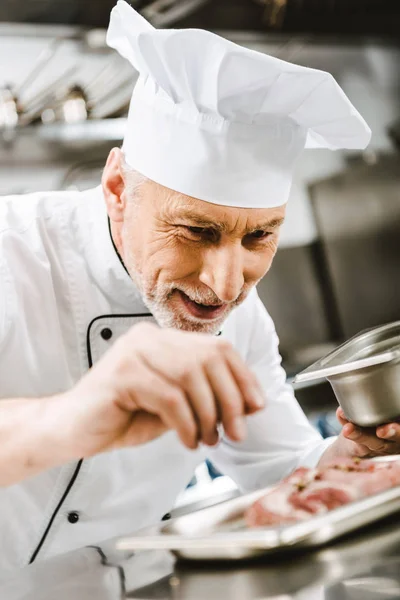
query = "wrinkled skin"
x=181 y=251
x=171 y=243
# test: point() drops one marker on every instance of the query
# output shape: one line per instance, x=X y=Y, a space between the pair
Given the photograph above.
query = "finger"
x=203 y=402
x=230 y=401
x=246 y=381
x=359 y=436
x=361 y=451
x=143 y=428
x=176 y=412
x=354 y=449
x=389 y=432
x=341 y=416
x=156 y=395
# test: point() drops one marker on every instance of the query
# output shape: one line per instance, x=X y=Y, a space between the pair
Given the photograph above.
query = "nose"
x=223 y=271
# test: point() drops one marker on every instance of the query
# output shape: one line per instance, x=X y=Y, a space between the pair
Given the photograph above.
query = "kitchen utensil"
x=365 y=375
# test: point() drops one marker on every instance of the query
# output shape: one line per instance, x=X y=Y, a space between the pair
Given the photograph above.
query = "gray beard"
x=164 y=316
x=167 y=319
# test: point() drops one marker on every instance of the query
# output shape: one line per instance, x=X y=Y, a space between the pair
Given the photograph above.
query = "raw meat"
x=309 y=492
x=275 y=508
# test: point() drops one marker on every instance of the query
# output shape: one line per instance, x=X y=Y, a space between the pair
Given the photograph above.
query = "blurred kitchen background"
x=64 y=97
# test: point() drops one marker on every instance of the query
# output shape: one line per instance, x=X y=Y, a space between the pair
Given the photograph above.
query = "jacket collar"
x=104 y=264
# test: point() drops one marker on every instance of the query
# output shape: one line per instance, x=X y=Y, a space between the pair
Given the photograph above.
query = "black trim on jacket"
x=80 y=462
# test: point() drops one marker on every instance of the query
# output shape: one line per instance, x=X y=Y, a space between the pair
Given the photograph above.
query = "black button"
x=166 y=517
x=219 y=333
x=106 y=333
x=73 y=517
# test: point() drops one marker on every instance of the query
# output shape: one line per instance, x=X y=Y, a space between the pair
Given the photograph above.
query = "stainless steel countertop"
x=365 y=567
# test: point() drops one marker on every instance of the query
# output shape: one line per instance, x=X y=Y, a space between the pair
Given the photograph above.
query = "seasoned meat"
x=367 y=478
x=309 y=492
x=275 y=507
x=322 y=496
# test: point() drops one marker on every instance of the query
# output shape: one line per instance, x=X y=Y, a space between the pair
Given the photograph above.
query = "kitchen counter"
x=363 y=567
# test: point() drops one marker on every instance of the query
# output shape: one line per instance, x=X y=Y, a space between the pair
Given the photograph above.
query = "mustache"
x=207 y=296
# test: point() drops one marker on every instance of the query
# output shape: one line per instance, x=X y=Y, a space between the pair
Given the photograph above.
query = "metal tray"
x=373 y=347
x=219 y=532
x=365 y=375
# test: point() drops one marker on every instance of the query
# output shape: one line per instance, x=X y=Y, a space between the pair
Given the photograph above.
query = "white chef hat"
x=222 y=123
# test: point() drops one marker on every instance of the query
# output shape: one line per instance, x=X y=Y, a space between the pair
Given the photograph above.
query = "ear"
x=113 y=186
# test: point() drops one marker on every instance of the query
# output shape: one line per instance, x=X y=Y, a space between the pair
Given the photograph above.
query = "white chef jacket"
x=61 y=286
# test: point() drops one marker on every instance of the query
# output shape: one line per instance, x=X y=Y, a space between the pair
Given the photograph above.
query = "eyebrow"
x=201 y=222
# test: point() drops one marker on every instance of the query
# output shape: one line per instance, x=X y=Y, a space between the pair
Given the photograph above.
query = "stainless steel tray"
x=365 y=375
x=373 y=347
x=219 y=532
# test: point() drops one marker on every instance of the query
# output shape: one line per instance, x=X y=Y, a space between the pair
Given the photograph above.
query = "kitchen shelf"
x=56 y=141
x=86 y=131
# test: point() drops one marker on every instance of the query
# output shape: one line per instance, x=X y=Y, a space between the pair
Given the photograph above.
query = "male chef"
x=132 y=340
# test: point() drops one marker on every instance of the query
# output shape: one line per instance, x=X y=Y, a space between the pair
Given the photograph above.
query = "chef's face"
x=193 y=261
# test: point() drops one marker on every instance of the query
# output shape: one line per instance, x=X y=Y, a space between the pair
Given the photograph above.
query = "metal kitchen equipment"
x=219 y=532
x=357 y=214
x=365 y=375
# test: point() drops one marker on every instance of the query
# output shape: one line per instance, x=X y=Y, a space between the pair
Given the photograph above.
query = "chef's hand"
x=371 y=441
x=363 y=443
x=153 y=380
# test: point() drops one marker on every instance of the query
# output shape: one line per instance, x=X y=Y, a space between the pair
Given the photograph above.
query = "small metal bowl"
x=365 y=375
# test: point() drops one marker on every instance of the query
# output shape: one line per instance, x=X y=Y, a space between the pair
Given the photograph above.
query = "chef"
x=132 y=340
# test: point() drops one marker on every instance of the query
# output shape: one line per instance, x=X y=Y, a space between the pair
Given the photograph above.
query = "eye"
x=260 y=234
x=198 y=230
x=201 y=233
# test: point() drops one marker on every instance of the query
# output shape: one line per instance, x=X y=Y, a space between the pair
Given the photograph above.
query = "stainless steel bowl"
x=365 y=375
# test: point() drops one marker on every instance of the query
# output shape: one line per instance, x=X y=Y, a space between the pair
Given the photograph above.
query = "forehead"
x=171 y=206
